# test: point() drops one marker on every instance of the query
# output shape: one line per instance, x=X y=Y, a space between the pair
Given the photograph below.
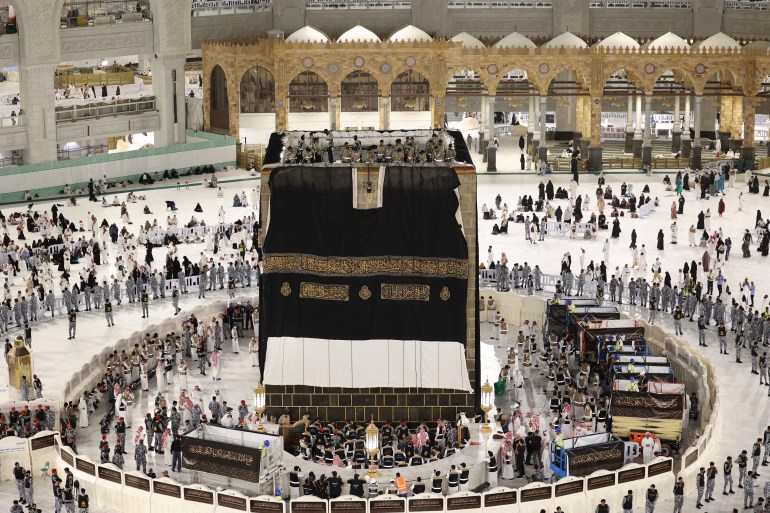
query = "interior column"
x=749 y=114
x=676 y=132
x=629 y=146
x=638 y=129
x=736 y=138
x=35 y=86
x=535 y=122
x=579 y=123
x=696 y=147
x=543 y=151
x=491 y=150
x=595 y=150
x=531 y=119
x=384 y=107
x=686 y=140
x=168 y=88
x=725 y=122
x=647 y=142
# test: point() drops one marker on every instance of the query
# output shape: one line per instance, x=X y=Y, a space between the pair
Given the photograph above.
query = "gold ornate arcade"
x=689 y=73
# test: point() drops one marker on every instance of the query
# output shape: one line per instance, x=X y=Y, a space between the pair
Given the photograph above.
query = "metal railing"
x=756 y=5
x=629 y=163
x=88 y=13
x=358 y=4
x=80 y=152
x=500 y=4
x=641 y=4
x=12 y=121
x=105 y=109
x=248 y=154
x=216 y=7
x=67 y=78
x=14 y=159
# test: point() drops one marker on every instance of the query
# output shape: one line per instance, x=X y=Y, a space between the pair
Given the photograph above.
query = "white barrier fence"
x=93 y=371
x=132 y=492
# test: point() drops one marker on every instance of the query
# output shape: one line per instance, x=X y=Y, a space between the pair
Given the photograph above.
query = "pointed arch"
x=219 y=104
x=308 y=92
x=359 y=92
x=257 y=91
x=410 y=91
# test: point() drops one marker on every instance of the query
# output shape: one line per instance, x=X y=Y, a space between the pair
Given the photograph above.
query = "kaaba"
x=369 y=286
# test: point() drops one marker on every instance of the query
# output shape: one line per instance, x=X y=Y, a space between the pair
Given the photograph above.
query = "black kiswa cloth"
x=334 y=272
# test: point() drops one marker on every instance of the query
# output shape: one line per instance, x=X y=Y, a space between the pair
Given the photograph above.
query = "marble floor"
x=745 y=402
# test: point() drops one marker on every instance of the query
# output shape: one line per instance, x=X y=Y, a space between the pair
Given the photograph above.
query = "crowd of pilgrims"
x=572 y=215
x=321 y=148
x=401 y=446
x=89 y=245
x=328 y=444
x=165 y=359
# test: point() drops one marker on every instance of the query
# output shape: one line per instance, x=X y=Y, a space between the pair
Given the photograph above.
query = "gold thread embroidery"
x=366 y=266
x=308 y=290
x=364 y=293
x=285 y=289
x=445 y=295
x=404 y=292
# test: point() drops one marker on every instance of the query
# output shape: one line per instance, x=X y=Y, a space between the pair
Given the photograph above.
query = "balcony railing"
x=12 y=121
x=216 y=7
x=641 y=4
x=500 y=4
x=756 y=5
x=87 y=13
x=80 y=151
x=12 y=158
x=96 y=110
x=318 y=5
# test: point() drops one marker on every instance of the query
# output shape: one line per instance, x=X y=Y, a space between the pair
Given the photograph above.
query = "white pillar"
x=677 y=126
x=36 y=84
x=491 y=117
x=168 y=88
x=543 y=99
x=638 y=127
x=531 y=120
x=647 y=125
x=630 y=117
x=686 y=134
x=696 y=121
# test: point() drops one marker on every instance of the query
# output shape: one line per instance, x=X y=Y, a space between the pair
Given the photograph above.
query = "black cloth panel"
x=334 y=272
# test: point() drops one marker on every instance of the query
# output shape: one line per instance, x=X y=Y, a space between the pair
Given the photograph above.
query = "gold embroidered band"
x=366 y=266
x=309 y=290
x=404 y=292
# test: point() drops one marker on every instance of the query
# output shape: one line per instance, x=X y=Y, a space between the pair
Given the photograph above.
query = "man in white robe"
x=648 y=446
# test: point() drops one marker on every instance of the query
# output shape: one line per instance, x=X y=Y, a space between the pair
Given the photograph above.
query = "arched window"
x=410 y=92
x=359 y=93
x=308 y=92
x=257 y=91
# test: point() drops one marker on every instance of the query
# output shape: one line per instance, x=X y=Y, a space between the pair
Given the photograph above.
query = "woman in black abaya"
x=660 y=240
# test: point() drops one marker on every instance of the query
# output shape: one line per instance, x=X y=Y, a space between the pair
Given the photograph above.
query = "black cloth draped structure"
x=361 y=279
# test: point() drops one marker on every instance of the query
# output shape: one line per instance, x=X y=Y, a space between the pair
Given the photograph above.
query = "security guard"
x=175 y=300
x=145 y=304
x=108 y=314
x=678 y=321
x=722 y=335
x=73 y=322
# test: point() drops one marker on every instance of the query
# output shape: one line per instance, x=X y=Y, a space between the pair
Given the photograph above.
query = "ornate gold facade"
x=744 y=70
